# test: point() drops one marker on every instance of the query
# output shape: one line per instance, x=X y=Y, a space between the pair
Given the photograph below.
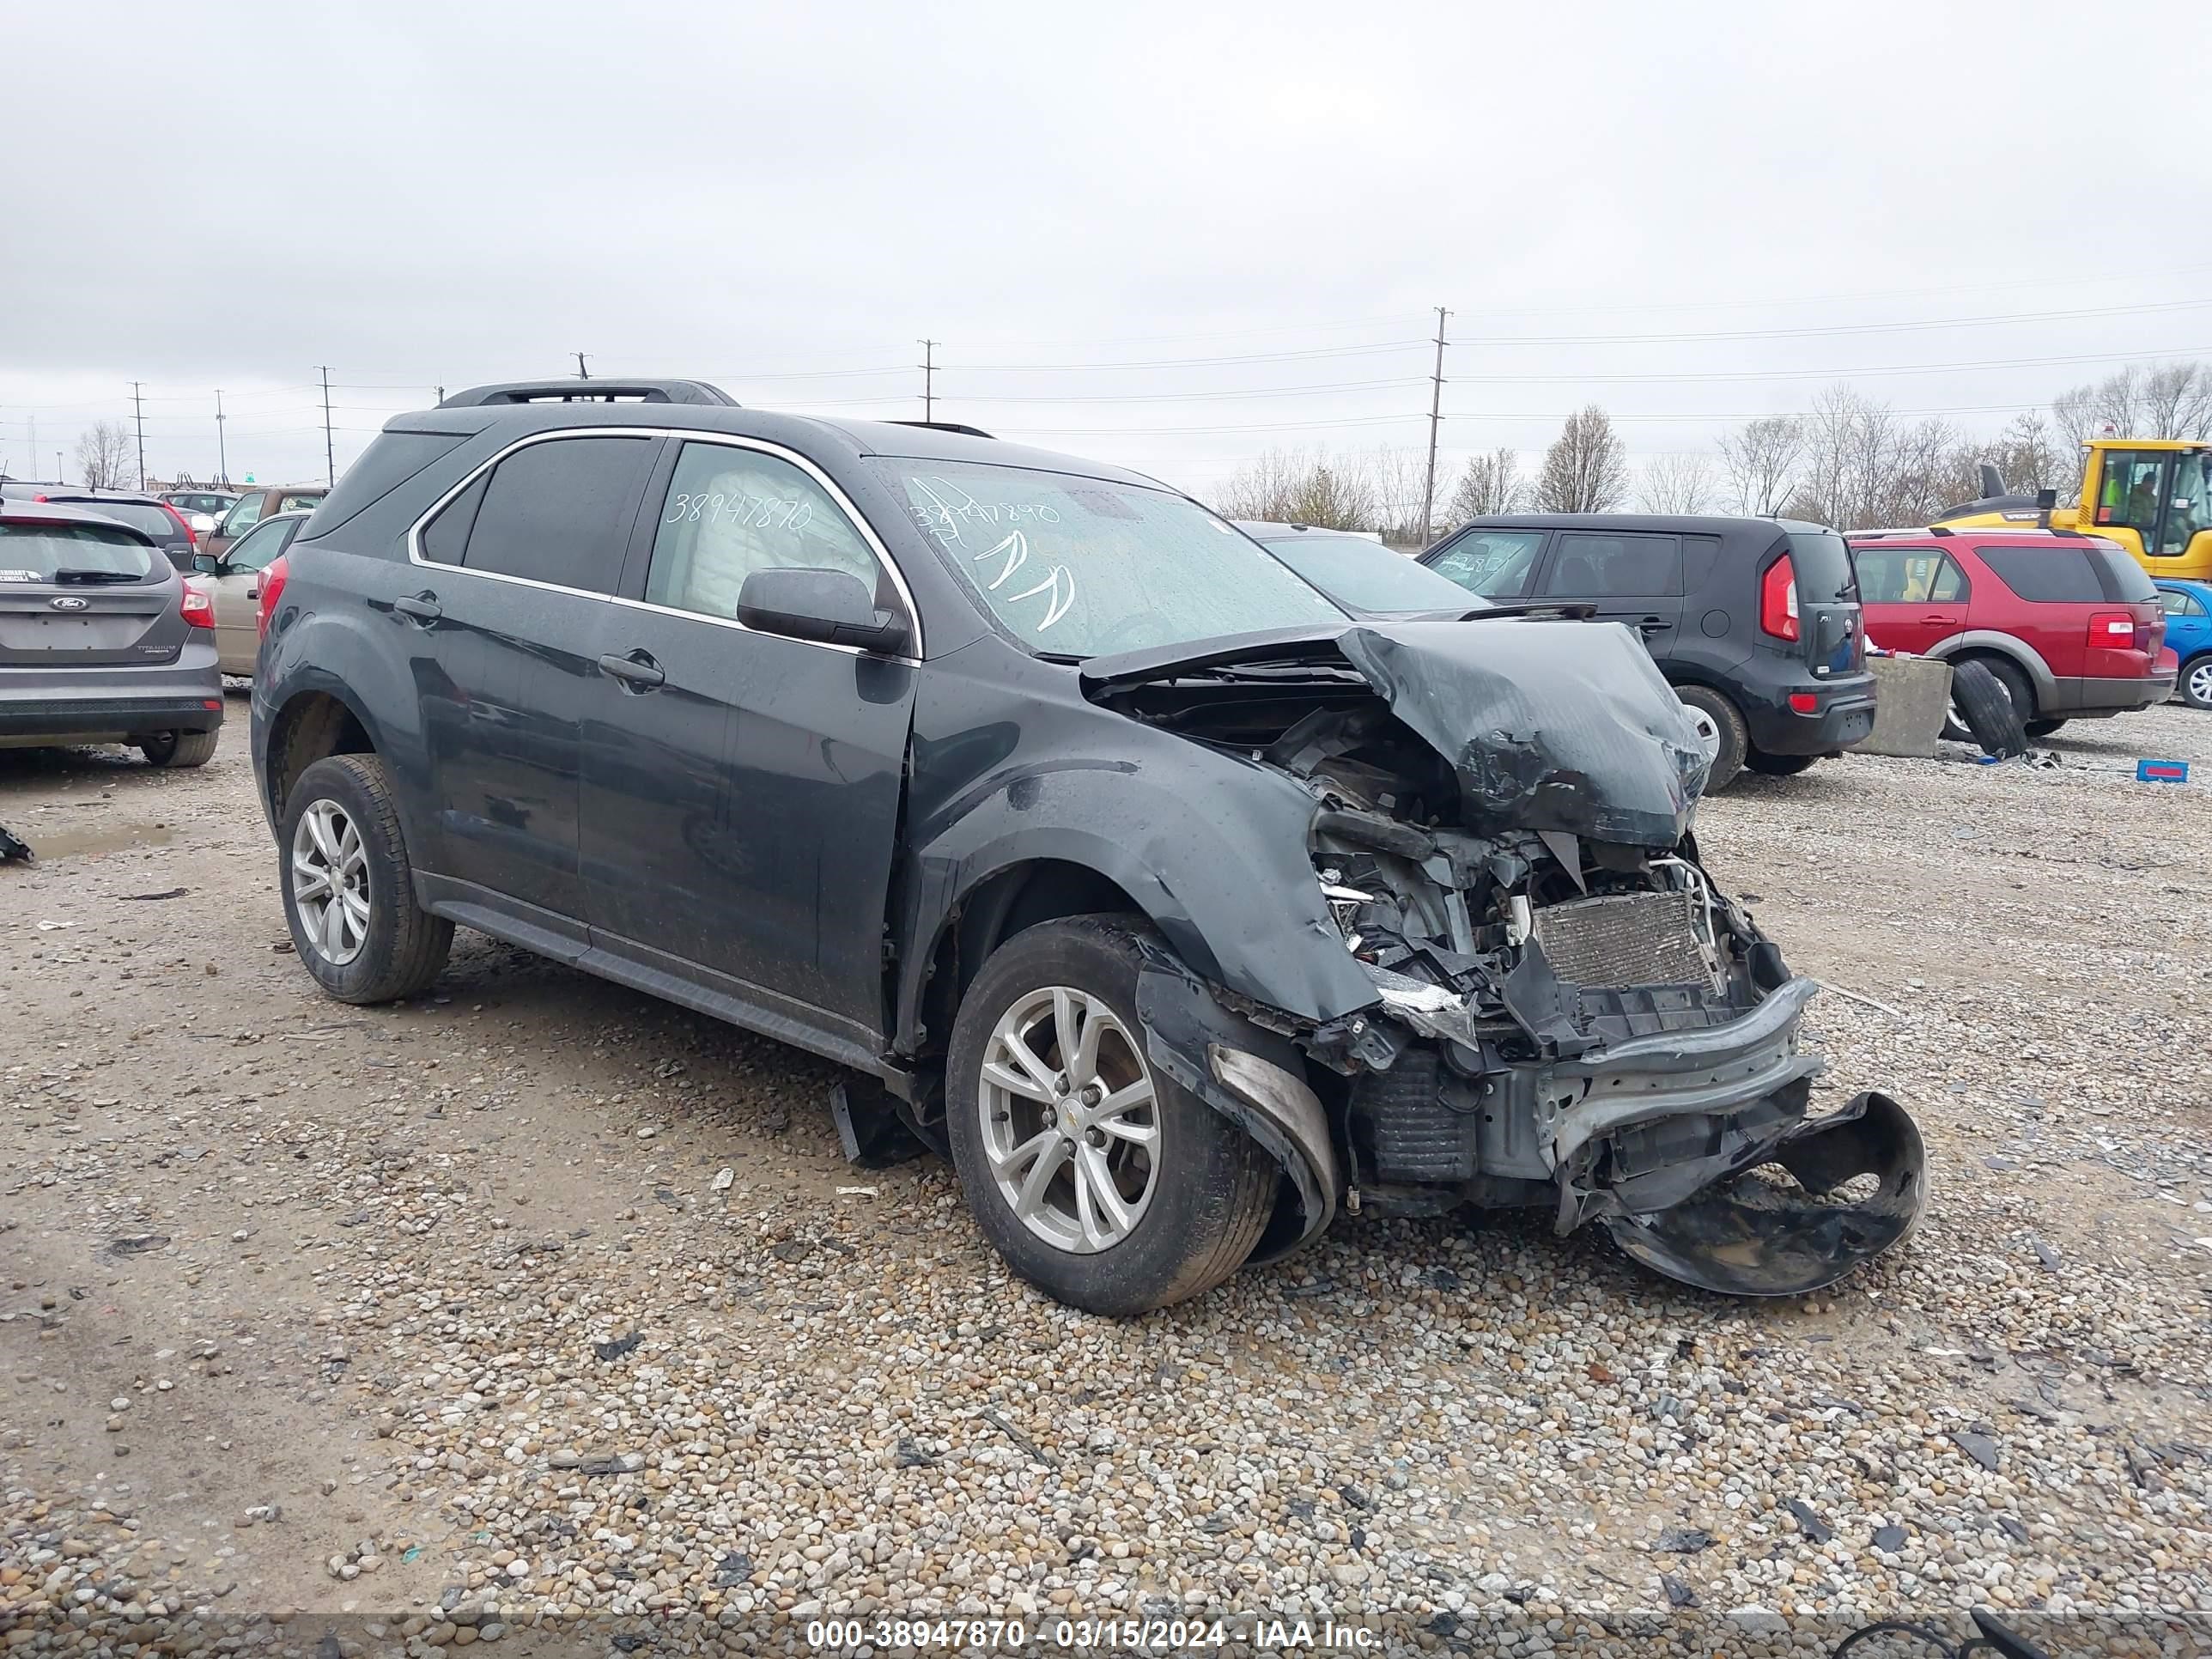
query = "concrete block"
x=1912 y=695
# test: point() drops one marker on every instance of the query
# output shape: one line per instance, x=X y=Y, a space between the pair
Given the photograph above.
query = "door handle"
x=637 y=671
x=1653 y=625
x=423 y=607
x=1936 y=616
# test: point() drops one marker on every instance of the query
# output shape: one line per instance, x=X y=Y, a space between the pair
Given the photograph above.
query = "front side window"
x=560 y=512
x=730 y=512
x=243 y=515
x=1078 y=567
x=263 y=543
x=1590 y=566
x=1494 y=563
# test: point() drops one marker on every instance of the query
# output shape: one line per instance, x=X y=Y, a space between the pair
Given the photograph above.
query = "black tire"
x=1985 y=703
x=173 y=750
x=403 y=947
x=1736 y=736
x=2195 y=683
x=1211 y=1188
x=1778 y=766
x=2040 y=728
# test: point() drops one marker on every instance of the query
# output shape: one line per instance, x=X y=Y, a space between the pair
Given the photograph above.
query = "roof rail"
x=590 y=391
x=946 y=426
x=1899 y=530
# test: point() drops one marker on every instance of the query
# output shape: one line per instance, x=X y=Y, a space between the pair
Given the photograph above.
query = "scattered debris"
x=1809 y=1523
x=869 y=1126
x=910 y=1455
x=2046 y=1253
x=723 y=1178
x=13 y=848
x=1889 y=1539
x=49 y=927
x=1678 y=1593
x=1978 y=1446
x=1684 y=1540
x=138 y=1244
x=169 y=893
x=619 y=1347
x=856 y=1191
x=1020 y=1439
x=1861 y=996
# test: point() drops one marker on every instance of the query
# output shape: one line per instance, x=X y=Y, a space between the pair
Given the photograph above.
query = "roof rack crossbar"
x=946 y=426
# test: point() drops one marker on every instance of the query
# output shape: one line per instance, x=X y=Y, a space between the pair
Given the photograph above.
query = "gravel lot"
x=537 y=1301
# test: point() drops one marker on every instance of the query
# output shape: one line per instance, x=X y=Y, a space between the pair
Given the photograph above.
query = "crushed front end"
x=1568 y=1013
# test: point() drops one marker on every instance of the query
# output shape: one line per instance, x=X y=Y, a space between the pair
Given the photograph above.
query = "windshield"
x=1083 y=567
x=139 y=515
x=1367 y=576
x=33 y=552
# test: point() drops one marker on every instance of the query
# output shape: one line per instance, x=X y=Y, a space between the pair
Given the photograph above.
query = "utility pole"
x=329 y=455
x=222 y=455
x=440 y=390
x=582 y=373
x=928 y=379
x=34 y=443
x=138 y=415
x=1436 y=414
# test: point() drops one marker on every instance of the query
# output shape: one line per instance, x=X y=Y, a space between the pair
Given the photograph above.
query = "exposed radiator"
x=1624 y=939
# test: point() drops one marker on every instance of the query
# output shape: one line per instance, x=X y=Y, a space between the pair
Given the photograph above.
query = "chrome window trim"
x=728 y=440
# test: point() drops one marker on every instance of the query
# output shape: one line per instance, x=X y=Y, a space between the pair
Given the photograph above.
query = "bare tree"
x=1862 y=467
x=1586 y=469
x=2173 y=400
x=2028 y=456
x=1398 y=477
x=1676 y=483
x=1492 y=483
x=1761 y=462
x=103 y=455
x=1286 y=486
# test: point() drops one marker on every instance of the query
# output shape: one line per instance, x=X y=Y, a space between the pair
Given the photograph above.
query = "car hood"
x=1545 y=729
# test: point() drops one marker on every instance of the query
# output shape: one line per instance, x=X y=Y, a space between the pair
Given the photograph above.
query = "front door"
x=1913 y=598
x=741 y=790
x=507 y=602
x=1631 y=578
x=237 y=584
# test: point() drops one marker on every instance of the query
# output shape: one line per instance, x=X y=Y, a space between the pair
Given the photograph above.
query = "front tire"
x=174 y=750
x=350 y=889
x=1095 y=1175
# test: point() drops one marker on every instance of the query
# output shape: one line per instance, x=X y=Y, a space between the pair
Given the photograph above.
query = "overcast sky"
x=1166 y=236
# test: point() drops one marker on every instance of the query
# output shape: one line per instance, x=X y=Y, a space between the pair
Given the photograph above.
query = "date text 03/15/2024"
x=1087 y=1635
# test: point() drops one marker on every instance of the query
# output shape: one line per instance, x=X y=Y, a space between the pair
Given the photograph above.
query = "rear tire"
x=1190 y=1193
x=1728 y=721
x=2041 y=728
x=2196 y=681
x=1985 y=705
x=173 y=750
x=340 y=849
x=1778 y=766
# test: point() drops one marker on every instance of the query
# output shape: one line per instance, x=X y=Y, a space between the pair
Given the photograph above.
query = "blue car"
x=2189 y=636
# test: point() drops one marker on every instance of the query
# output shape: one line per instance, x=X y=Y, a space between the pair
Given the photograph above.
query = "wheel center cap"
x=1068 y=1121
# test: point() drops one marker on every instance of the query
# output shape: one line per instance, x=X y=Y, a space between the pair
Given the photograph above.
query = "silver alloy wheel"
x=1071 y=1124
x=1709 y=730
x=329 y=882
x=2199 y=684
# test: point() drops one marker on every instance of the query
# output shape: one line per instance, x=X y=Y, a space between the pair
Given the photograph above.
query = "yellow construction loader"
x=2152 y=495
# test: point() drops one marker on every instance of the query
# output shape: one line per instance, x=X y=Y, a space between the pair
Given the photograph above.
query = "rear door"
x=505 y=633
x=1913 y=599
x=237 y=588
x=82 y=596
x=1631 y=577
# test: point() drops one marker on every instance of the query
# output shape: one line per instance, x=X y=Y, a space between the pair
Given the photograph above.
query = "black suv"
x=1755 y=622
x=1184 y=910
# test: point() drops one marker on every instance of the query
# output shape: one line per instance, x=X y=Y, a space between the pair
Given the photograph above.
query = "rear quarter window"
x=2126 y=581
x=2060 y=574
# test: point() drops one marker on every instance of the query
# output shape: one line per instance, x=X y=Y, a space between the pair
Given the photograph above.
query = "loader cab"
x=2154 y=499
x=2152 y=495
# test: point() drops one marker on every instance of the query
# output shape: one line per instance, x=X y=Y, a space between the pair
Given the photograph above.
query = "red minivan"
x=2068 y=622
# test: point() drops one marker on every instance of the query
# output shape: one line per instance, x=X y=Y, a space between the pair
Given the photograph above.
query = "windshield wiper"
x=67 y=574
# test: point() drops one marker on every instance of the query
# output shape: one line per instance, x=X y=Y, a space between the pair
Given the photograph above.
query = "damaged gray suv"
x=1186 y=912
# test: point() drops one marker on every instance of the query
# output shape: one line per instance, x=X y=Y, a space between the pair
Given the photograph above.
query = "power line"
x=1988 y=321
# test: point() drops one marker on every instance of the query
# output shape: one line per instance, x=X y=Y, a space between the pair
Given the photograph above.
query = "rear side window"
x=1699 y=553
x=560 y=511
x=41 y=552
x=1588 y=565
x=1822 y=563
x=2060 y=574
x=1910 y=575
x=2179 y=603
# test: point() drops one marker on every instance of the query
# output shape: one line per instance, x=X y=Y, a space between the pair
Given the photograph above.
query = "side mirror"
x=831 y=607
x=206 y=564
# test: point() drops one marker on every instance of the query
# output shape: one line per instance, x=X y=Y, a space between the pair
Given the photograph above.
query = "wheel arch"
x=1987 y=642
